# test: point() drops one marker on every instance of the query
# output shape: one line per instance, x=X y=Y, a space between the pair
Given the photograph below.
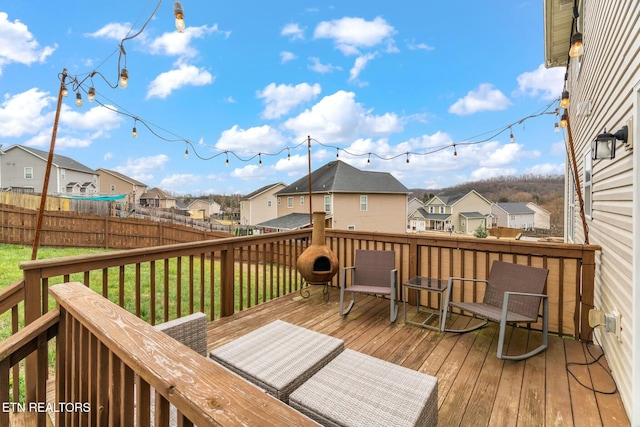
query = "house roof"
x=292 y=221
x=431 y=216
x=340 y=177
x=58 y=160
x=472 y=215
x=515 y=208
x=156 y=193
x=262 y=190
x=121 y=176
x=558 y=20
x=207 y=201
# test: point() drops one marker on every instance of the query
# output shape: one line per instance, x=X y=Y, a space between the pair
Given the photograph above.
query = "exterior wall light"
x=604 y=146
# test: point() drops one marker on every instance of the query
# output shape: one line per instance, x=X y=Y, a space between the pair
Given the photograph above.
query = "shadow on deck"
x=475 y=387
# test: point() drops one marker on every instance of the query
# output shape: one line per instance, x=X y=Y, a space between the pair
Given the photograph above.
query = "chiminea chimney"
x=317 y=264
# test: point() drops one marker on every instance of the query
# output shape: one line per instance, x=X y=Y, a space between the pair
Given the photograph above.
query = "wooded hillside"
x=544 y=190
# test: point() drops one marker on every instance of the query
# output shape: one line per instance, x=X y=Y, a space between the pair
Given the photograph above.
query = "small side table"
x=428 y=284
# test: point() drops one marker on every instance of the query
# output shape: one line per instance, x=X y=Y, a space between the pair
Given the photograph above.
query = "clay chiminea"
x=317 y=264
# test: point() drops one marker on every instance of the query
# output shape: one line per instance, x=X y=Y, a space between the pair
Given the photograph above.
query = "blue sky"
x=373 y=82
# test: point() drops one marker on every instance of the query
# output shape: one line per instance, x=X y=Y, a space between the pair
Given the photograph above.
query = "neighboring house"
x=112 y=182
x=541 y=216
x=156 y=198
x=462 y=213
x=352 y=199
x=414 y=224
x=513 y=215
x=604 y=88
x=203 y=209
x=260 y=205
x=23 y=170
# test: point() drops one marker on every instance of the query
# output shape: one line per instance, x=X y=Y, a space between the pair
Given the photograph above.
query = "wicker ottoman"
x=278 y=357
x=355 y=389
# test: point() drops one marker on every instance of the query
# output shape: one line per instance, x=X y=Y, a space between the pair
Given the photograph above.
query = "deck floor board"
x=475 y=387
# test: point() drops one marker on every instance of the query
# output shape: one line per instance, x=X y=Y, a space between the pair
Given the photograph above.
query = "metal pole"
x=45 y=185
x=309 y=167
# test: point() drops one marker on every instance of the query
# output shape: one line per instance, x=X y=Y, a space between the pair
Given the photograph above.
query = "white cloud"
x=485 y=98
x=185 y=75
x=252 y=172
x=112 y=31
x=178 y=44
x=352 y=34
x=419 y=46
x=181 y=182
x=321 y=68
x=263 y=139
x=338 y=118
x=359 y=65
x=486 y=173
x=22 y=114
x=546 y=169
x=500 y=155
x=143 y=168
x=293 y=31
x=286 y=56
x=94 y=119
x=544 y=82
x=558 y=148
x=281 y=99
x=18 y=45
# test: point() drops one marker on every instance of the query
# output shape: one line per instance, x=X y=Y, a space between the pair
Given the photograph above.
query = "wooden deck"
x=475 y=388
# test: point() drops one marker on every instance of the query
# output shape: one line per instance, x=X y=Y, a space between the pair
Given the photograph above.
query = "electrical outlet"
x=618 y=325
x=609 y=322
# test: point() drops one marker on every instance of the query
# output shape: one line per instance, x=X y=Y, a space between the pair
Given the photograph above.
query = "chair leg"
x=348 y=309
x=393 y=309
x=540 y=348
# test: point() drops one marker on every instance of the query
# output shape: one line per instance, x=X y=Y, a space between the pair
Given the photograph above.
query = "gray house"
x=23 y=170
x=513 y=215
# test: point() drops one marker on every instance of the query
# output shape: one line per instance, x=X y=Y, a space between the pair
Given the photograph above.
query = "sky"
x=428 y=91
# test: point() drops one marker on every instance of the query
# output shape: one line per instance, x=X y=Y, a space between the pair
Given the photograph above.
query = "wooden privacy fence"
x=220 y=277
x=73 y=229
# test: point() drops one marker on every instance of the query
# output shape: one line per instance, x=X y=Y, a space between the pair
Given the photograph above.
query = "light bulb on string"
x=407 y=157
x=260 y=159
x=186 y=153
x=91 y=94
x=64 y=90
x=124 y=78
x=78 y=99
x=178 y=12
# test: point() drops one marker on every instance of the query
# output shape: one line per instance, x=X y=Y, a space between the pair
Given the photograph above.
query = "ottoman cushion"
x=278 y=357
x=355 y=389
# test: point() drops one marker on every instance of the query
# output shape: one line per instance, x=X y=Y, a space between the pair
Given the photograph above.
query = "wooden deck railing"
x=224 y=276
x=115 y=369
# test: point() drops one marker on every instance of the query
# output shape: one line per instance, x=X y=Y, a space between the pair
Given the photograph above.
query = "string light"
x=78 y=99
x=124 y=78
x=259 y=159
x=186 y=152
x=511 y=137
x=179 y=14
x=65 y=91
x=455 y=152
x=407 y=157
x=134 y=131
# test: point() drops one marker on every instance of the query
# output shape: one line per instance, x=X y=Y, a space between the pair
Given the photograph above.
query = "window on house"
x=441 y=209
x=113 y=187
x=587 y=184
x=62 y=174
x=431 y=209
x=289 y=202
x=327 y=203
x=28 y=173
x=571 y=210
x=278 y=201
x=364 y=203
x=301 y=200
x=268 y=203
x=351 y=227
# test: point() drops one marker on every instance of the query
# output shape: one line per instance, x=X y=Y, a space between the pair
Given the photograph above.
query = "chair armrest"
x=343 y=275
x=526 y=294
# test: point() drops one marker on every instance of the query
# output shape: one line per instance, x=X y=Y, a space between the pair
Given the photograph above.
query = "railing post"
x=32 y=311
x=227 y=274
x=587 y=292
